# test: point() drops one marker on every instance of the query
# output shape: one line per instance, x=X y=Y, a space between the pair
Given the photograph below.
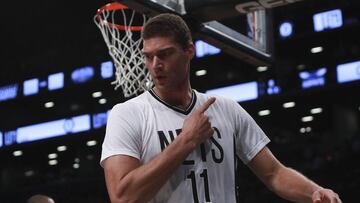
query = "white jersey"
x=143 y=126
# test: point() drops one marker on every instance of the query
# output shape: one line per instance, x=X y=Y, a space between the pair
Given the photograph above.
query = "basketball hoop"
x=123 y=40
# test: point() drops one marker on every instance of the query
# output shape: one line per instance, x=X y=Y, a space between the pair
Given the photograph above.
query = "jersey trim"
x=186 y=112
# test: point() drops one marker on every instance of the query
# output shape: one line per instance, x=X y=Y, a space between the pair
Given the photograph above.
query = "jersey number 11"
x=206 y=185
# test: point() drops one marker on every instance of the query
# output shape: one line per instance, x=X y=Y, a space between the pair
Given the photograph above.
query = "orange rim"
x=114 y=7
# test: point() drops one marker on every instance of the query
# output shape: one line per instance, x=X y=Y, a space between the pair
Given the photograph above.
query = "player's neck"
x=181 y=97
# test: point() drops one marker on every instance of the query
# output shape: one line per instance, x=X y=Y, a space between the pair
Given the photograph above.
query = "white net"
x=124 y=47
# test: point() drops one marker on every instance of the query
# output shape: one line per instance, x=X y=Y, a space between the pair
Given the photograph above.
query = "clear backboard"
x=241 y=28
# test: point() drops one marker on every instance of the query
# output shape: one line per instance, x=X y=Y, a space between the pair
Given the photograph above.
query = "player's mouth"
x=160 y=77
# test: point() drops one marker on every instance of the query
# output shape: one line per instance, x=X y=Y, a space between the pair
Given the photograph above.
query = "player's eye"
x=164 y=54
x=148 y=57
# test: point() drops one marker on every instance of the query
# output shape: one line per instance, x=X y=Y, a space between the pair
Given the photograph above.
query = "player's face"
x=168 y=62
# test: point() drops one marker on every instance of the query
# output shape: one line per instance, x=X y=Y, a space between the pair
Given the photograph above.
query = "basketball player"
x=172 y=144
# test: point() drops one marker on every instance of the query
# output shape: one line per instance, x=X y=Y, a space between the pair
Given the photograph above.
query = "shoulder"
x=132 y=106
x=220 y=101
x=222 y=105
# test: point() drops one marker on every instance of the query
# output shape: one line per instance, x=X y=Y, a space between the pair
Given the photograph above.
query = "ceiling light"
x=262 y=68
x=61 y=148
x=97 y=94
x=77 y=160
x=307 y=119
x=76 y=165
x=49 y=104
x=305 y=130
x=90 y=157
x=264 y=112
x=200 y=72
x=301 y=66
x=52 y=156
x=17 y=153
x=289 y=104
x=102 y=101
x=29 y=173
x=53 y=162
x=315 y=50
x=91 y=143
x=316 y=110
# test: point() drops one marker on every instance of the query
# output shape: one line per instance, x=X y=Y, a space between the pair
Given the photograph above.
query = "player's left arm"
x=288 y=183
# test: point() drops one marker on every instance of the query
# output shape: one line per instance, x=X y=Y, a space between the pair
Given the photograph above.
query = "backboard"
x=241 y=28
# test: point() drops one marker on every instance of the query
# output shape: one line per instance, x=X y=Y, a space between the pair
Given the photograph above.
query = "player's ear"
x=191 y=50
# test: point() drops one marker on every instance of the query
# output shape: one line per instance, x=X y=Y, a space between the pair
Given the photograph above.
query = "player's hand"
x=197 y=126
x=324 y=195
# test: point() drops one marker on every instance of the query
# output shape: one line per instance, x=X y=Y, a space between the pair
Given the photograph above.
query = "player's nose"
x=157 y=64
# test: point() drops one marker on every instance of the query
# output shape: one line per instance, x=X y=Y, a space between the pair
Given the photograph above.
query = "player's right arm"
x=127 y=180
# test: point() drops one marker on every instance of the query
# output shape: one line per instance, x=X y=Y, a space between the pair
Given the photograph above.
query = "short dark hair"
x=168 y=25
x=40 y=199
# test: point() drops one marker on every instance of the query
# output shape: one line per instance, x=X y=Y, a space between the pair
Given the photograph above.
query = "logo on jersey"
x=217 y=152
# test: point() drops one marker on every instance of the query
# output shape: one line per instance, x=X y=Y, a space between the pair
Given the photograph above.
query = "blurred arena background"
x=301 y=84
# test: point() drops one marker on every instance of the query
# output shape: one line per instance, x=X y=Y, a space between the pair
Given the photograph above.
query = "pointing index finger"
x=206 y=105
